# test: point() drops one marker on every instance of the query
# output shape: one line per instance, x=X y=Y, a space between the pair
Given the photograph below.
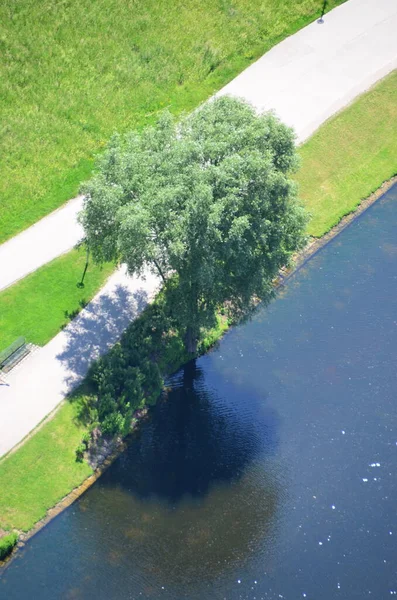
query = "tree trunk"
x=159 y=270
x=191 y=341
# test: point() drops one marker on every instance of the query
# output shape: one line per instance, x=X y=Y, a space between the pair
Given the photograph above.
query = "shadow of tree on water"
x=194 y=439
x=197 y=491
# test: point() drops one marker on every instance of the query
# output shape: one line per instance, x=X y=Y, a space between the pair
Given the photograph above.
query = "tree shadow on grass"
x=97 y=329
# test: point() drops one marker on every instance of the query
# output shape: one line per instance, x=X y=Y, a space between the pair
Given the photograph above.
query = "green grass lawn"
x=350 y=156
x=71 y=73
x=37 y=306
x=42 y=471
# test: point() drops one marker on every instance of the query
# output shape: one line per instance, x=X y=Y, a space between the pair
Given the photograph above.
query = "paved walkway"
x=50 y=237
x=305 y=79
x=313 y=74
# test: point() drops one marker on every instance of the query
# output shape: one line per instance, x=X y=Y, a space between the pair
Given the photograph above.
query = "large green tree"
x=207 y=203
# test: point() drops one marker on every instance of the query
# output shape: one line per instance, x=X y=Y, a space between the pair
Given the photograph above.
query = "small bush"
x=210 y=338
x=86 y=439
x=81 y=448
x=7 y=543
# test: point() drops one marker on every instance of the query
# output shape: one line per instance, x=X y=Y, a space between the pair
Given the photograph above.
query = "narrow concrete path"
x=50 y=237
x=35 y=387
x=305 y=79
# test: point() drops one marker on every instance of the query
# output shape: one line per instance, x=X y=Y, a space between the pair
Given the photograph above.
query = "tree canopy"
x=205 y=202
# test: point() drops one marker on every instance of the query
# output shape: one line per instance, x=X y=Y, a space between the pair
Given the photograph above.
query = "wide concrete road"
x=305 y=79
x=35 y=387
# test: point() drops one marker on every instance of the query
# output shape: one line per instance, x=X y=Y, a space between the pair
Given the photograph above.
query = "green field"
x=350 y=156
x=42 y=471
x=40 y=304
x=73 y=72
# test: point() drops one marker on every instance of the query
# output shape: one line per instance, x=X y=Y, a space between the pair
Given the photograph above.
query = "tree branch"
x=159 y=270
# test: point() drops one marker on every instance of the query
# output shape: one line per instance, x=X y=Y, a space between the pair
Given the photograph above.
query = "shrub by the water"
x=7 y=543
x=131 y=375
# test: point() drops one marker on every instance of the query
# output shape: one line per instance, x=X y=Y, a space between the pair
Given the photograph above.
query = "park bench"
x=12 y=355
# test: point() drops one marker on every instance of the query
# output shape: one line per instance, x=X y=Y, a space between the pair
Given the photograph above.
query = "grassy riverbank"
x=350 y=156
x=35 y=477
x=41 y=471
x=74 y=72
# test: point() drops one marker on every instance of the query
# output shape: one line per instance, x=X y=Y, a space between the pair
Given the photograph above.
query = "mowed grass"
x=71 y=73
x=350 y=156
x=42 y=471
x=40 y=304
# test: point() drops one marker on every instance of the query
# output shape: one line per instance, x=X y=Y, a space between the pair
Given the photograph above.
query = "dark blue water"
x=268 y=470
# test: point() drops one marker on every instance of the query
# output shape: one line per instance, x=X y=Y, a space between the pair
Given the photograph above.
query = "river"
x=268 y=468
